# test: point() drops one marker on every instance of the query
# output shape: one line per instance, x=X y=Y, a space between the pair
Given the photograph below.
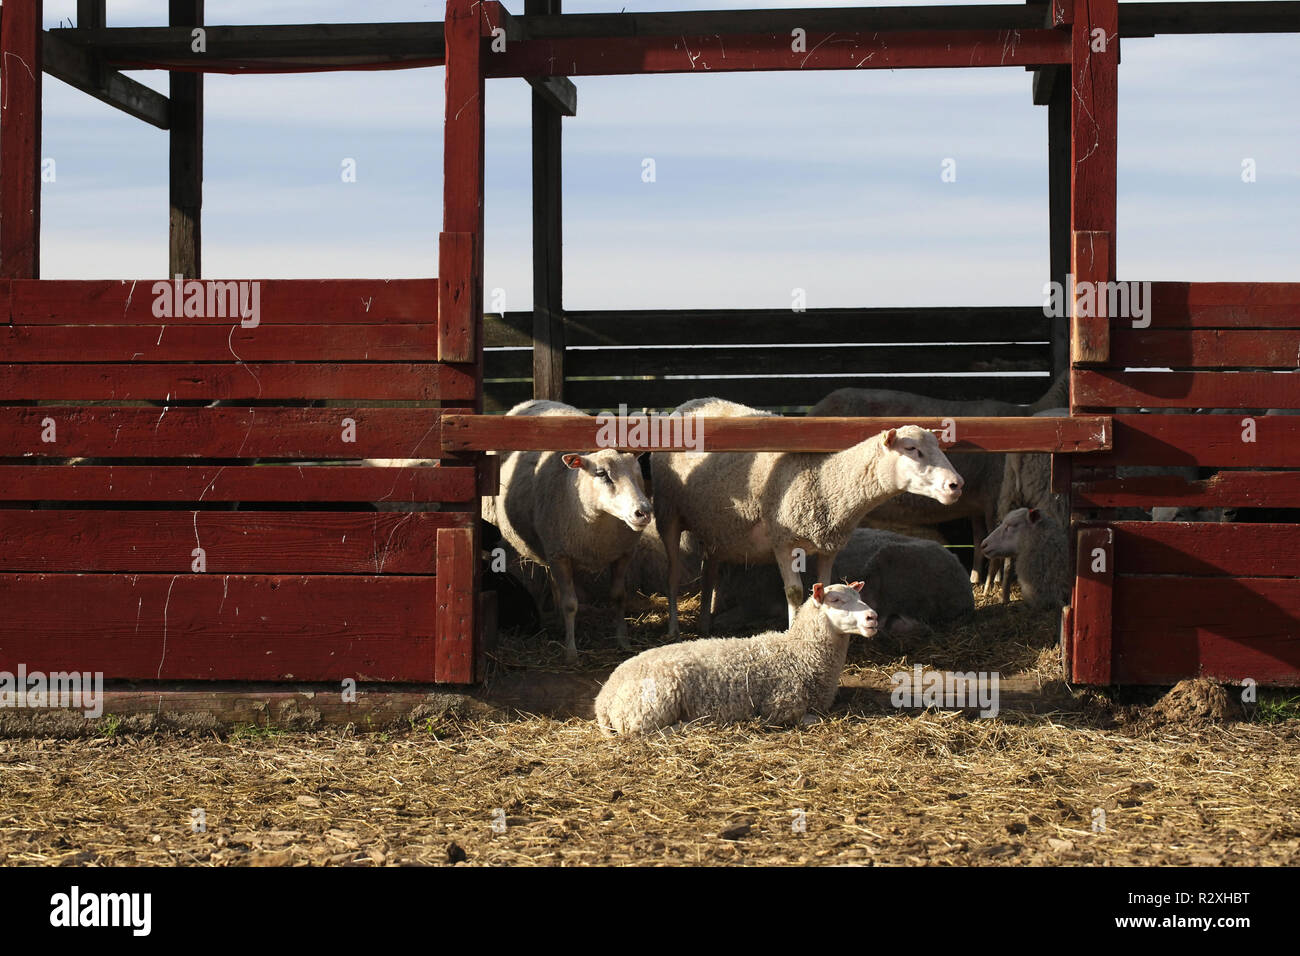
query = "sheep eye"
x=601 y=473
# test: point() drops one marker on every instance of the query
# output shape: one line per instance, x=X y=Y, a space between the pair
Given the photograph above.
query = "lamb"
x=983 y=471
x=777 y=677
x=1040 y=546
x=570 y=511
x=746 y=507
x=911 y=583
x=1027 y=483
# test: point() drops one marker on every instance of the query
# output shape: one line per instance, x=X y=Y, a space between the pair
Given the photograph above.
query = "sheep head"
x=1006 y=539
x=919 y=464
x=845 y=609
x=610 y=481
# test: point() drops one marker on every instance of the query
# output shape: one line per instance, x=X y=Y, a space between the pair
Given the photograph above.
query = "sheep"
x=569 y=511
x=1040 y=546
x=983 y=471
x=1027 y=483
x=911 y=583
x=777 y=677
x=745 y=507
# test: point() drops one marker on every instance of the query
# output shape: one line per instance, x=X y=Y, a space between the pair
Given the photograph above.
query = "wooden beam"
x=73 y=65
x=548 y=272
x=20 y=141
x=1058 y=208
x=558 y=92
x=185 y=163
x=1217 y=16
x=308 y=41
x=1093 y=591
x=568 y=432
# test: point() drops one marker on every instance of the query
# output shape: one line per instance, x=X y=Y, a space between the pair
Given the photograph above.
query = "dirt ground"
x=1058 y=777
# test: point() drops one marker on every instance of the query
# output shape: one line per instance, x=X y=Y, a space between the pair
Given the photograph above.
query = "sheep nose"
x=639 y=513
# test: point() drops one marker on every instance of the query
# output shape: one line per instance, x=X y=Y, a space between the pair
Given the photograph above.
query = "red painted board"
x=20 y=140
x=1093 y=591
x=217 y=483
x=1219 y=390
x=1207 y=549
x=1204 y=348
x=1094 y=122
x=1089 y=325
x=458 y=278
x=280 y=302
x=1210 y=305
x=1213 y=440
x=224 y=542
x=220 y=627
x=1226 y=489
x=111 y=432
x=456 y=600
x=843 y=50
x=252 y=381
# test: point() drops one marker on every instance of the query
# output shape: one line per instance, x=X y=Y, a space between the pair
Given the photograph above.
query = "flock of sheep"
x=753 y=513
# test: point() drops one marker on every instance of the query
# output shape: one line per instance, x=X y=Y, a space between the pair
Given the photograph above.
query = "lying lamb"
x=777 y=677
x=1040 y=545
x=751 y=507
x=570 y=511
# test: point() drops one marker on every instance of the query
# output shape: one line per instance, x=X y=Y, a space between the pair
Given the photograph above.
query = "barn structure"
x=120 y=550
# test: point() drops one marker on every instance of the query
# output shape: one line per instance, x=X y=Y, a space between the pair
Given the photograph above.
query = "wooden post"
x=548 y=314
x=93 y=15
x=20 y=140
x=1058 y=210
x=1093 y=593
x=185 y=164
x=460 y=307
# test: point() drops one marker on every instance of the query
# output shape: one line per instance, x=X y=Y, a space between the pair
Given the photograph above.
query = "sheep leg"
x=618 y=594
x=791 y=579
x=708 y=588
x=1006 y=580
x=979 y=530
x=566 y=603
x=825 y=567
x=671 y=533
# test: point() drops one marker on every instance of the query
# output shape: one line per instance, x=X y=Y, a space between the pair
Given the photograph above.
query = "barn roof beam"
x=76 y=67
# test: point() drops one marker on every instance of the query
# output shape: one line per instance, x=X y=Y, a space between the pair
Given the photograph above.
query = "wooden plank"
x=230 y=542
x=548 y=325
x=220 y=627
x=457 y=318
x=1205 y=348
x=185 y=156
x=838 y=50
x=1090 y=327
x=1107 y=389
x=280 y=301
x=1211 y=440
x=1092 y=606
x=1223 y=16
x=217 y=343
x=557 y=92
x=566 y=432
x=306 y=43
x=1206 y=549
x=1226 y=489
x=20 y=141
x=110 y=432
x=1058 y=209
x=1225 y=305
x=780 y=326
x=456 y=599
x=794 y=391
x=244 y=382
x=1230 y=629
x=73 y=65
x=221 y=483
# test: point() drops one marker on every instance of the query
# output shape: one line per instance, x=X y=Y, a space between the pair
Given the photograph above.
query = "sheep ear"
x=1034 y=516
x=572 y=461
x=819 y=593
x=857 y=585
x=891 y=436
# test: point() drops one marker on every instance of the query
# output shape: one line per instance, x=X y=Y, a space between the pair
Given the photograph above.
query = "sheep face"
x=845 y=609
x=1008 y=537
x=611 y=482
x=920 y=466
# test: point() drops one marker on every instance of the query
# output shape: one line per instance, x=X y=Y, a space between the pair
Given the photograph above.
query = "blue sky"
x=829 y=181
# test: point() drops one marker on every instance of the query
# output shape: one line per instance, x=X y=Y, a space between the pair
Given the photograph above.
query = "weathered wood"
x=1090 y=333
x=220 y=627
x=457 y=318
x=1092 y=606
x=1206 y=549
x=1226 y=489
x=1058 y=210
x=1107 y=389
x=548 y=325
x=281 y=301
x=1210 y=305
x=850 y=50
x=567 y=432
x=73 y=65
x=1212 y=440
x=20 y=140
x=218 y=343
x=185 y=159
x=109 y=432
x=457 y=602
x=1215 y=16
x=350 y=381
x=557 y=92
x=231 y=542
x=212 y=484
x=1205 y=348
x=1094 y=123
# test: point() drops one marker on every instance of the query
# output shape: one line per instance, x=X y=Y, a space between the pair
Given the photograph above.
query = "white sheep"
x=753 y=507
x=570 y=511
x=776 y=677
x=1027 y=483
x=1040 y=545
